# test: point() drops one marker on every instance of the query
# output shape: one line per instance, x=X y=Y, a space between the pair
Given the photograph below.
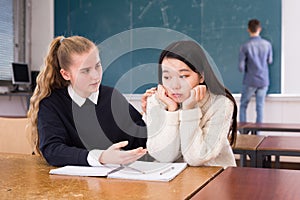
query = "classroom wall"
x=279 y=108
x=290 y=46
x=42 y=31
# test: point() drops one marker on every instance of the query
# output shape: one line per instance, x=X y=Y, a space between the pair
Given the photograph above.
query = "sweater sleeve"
x=163 y=142
x=55 y=142
x=203 y=137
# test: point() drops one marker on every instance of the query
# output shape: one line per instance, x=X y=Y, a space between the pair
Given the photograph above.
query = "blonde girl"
x=75 y=119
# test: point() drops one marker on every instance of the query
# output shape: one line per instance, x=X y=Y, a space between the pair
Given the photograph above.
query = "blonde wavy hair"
x=59 y=57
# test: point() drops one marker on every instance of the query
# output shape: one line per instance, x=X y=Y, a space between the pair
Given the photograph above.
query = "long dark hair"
x=197 y=59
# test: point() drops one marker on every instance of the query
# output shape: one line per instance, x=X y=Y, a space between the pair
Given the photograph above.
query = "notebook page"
x=83 y=170
x=150 y=171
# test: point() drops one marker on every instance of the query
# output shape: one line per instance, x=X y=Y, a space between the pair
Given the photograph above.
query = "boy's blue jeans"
x=247 y=93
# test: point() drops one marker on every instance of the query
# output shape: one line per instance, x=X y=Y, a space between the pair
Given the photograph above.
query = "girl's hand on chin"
x=162 y=95
x=197 y=94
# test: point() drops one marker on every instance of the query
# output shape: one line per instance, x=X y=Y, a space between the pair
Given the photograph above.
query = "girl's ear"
x=65 y=74
x=201 y=78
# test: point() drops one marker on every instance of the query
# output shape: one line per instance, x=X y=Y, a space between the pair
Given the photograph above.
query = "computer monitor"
x=21 y=75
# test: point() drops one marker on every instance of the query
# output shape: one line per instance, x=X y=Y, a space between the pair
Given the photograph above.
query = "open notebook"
x=139 y=170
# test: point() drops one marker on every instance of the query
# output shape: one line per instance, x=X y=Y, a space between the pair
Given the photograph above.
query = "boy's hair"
x=253 y=25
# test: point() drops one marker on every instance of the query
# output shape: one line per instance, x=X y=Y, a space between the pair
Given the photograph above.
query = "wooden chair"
x=13 y=135
x=247 y=145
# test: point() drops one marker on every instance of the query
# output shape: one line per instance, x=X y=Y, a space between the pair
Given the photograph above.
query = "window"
x=6 y=39
x=13 y=24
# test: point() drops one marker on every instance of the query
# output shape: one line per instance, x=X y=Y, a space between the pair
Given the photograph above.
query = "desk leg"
x=259 y=159
x=244 y=131
x=277 y=161
x=263 y=160
x=243 y=159
x=253 y=159
x=267 y=161
x=28 y=102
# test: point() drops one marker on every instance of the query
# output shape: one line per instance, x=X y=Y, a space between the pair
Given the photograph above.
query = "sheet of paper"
x=83 y=170
x=150 y=171
x=139 y=170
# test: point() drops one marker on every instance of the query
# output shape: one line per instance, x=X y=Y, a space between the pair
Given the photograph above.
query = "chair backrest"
x=13 y=135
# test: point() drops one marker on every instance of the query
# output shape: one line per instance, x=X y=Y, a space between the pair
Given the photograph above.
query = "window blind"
x=6 y=39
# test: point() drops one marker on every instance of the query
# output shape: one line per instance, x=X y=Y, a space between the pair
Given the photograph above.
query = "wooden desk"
x=278 y=146
x=27 y=177
x=246 y=127
x=236 y=183
x=247 y=145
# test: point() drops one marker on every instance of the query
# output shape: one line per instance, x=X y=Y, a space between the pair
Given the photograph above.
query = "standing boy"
x=254 y=57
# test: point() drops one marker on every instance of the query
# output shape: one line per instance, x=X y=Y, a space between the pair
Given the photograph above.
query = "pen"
x=167 y=170
x=134 y=169
x=116 y=170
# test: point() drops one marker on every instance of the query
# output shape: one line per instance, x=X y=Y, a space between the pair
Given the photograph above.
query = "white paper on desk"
x=153 y=171
x=84 y=170
x=139 y=170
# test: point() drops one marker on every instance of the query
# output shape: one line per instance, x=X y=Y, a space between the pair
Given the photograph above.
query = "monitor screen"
x=21 y=74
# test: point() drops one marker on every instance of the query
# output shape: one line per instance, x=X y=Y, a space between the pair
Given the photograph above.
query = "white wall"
x=42 y=30
x=290 y=46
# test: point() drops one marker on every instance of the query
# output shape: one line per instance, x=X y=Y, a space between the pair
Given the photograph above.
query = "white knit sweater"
x=198 y=136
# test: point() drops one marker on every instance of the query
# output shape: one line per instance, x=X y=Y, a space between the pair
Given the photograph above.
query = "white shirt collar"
x=80 y=100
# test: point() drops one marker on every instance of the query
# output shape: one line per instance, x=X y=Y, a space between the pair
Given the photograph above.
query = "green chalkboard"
x=131 y=34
